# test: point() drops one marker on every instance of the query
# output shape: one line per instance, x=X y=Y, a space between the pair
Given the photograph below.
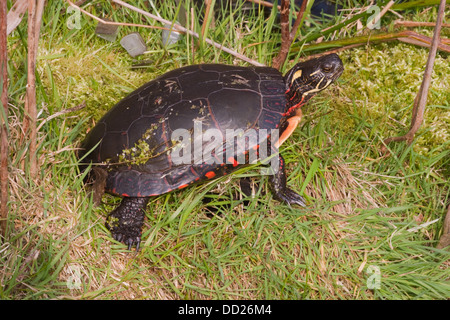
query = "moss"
x=380 y=84
x=141 y=152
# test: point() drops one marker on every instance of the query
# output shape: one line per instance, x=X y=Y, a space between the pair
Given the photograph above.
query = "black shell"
x=133 y=140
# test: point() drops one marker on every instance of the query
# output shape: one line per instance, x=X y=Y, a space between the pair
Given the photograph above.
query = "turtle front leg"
x=125 y=222
x=281 y=192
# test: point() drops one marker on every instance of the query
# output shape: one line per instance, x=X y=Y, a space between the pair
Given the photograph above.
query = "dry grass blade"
x=60 y=113
x=15 y=15
x=341 y=190
x=208 y=13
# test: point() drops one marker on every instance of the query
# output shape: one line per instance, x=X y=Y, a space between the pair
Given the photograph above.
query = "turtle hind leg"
x=125 y=222
x=280 y=190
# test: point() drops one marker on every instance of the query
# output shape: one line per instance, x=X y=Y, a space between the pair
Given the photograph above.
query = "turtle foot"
x=291 y=197
x=277 y=183
x=125 y=222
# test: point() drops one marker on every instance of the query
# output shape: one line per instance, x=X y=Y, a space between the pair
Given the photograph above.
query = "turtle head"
x=307 y=78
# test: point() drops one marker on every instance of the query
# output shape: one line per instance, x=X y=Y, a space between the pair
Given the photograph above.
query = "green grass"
x=363 y=207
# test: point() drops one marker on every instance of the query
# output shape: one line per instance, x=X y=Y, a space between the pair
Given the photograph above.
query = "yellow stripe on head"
x=296 y=75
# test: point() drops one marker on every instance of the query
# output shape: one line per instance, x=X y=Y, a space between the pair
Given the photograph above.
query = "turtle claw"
x=130 y=244
x=117 y=236
x=291 y=197
x=138 y=242
x=126 y=239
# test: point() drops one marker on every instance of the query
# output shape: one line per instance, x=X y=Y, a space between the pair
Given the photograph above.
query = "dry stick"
x=4 y=131
x=29 y=121
x=418 y=24
x=298 y=20
x=421 y=98
x=286 y=36
x=264 y=3
x=278 y=61
x=34 y=23
x=192 y=33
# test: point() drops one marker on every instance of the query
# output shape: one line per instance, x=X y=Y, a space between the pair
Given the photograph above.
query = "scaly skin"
x=281 y=192
x=125 y=222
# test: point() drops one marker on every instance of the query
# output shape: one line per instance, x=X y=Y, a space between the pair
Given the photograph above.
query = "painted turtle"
x=133 y=145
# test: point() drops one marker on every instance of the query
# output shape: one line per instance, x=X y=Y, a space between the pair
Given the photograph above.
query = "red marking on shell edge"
x=183 y=186
x=210 y=174
x=125 y=195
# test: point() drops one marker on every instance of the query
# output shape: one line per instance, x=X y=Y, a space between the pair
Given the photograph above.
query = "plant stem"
x=4 y=131
x=422 y=95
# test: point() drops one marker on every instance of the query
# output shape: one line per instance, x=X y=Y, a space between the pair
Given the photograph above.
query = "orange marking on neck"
x=292 y=124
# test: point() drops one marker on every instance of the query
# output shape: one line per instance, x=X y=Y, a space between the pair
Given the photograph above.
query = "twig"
x=192 y=33
x=264 y=3
x=34 y=25
x=4 y=131
x=421 y=98
x=418 y=24
x=298 y=20
x=278 y=61
x=287 y=37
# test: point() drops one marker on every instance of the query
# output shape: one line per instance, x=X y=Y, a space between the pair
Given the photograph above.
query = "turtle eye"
x=327 y=67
